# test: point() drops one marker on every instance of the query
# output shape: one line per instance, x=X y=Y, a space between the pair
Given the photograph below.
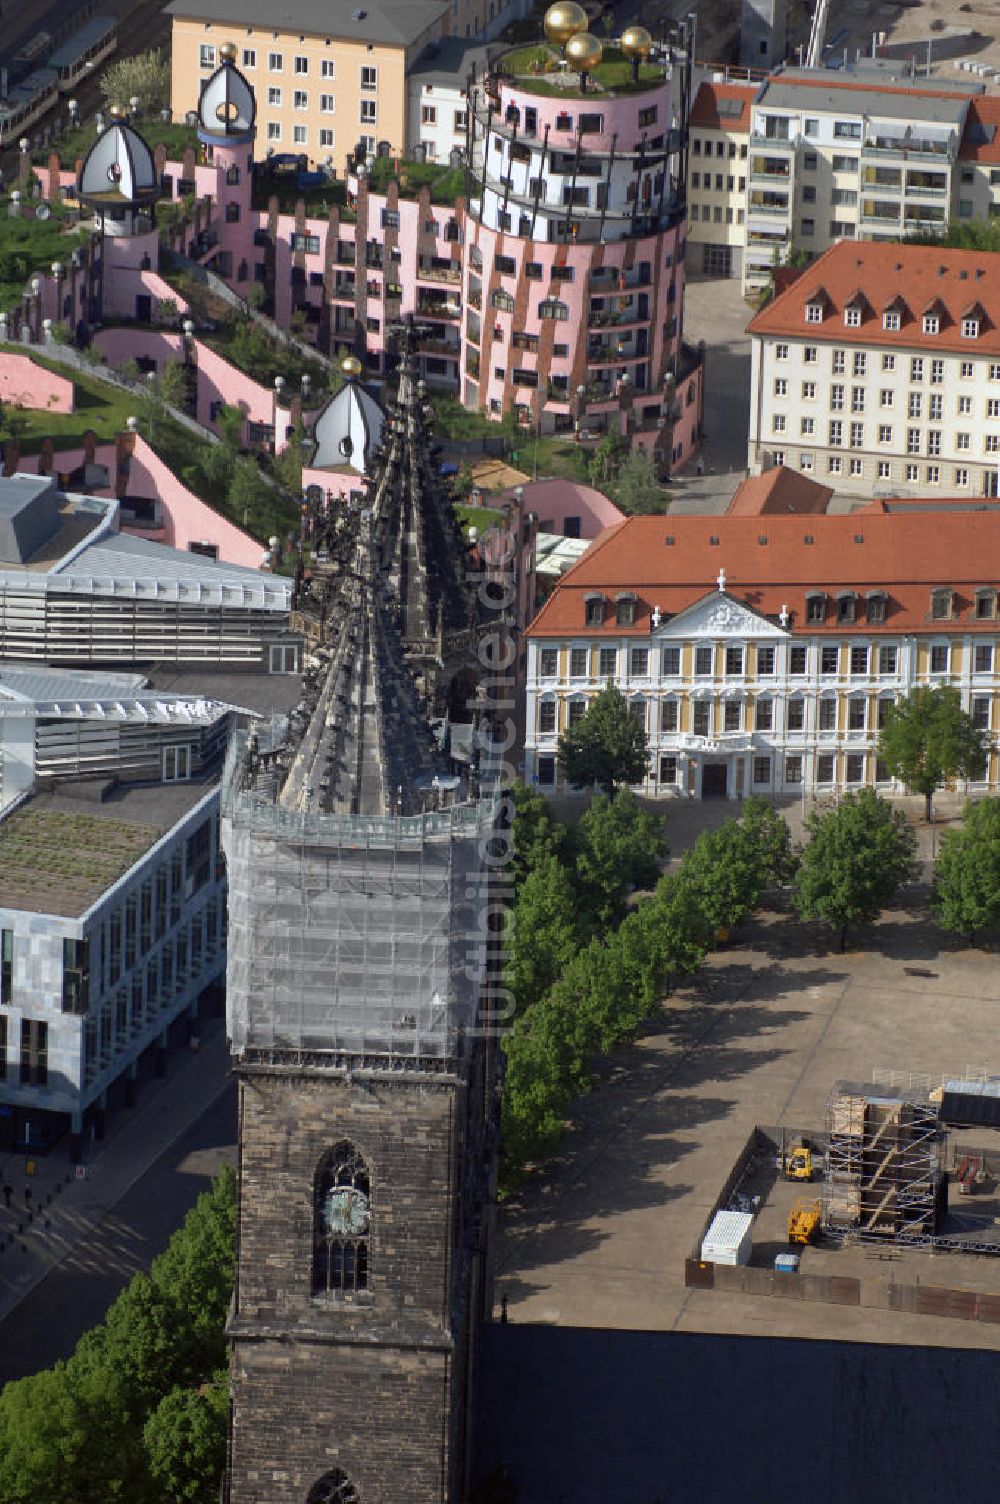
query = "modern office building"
x=112 y=906
x=760 y=652
x=76 y=590
x=878 y=370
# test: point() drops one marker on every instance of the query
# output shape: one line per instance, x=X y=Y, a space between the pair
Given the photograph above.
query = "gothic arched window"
x=334 y=1488
x=341 y=1220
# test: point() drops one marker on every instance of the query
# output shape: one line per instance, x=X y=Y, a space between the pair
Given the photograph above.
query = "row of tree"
x=587 y=969
x=138 y=1412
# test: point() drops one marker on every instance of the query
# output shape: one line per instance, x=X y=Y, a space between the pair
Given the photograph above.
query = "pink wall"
x=338 y=484
x=186 y=519
x=555 y=500
x=218 y=380
x=23 y=382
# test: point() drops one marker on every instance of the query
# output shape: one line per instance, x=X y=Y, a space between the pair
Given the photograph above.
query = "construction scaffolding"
x=358 y=936
x=884 y=1168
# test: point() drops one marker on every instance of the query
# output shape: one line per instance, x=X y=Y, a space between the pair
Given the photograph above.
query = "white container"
x=729 y=1239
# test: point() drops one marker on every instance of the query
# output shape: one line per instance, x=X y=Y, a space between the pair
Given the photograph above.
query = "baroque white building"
x=773 y=674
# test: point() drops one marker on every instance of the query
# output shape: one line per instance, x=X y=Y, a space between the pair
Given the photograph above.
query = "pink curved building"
x=574 y=256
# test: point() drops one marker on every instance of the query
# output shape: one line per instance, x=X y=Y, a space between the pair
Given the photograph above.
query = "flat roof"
x=448 y=61
x=879 y=102
x=395 y=23
x=261 y=694
x=59 y=853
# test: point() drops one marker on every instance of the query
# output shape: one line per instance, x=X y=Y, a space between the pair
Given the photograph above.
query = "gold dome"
x=117 y=112
x=563 y=20
x=227 y=52
x=636 y=42
x=350 y=366
x=584 y=52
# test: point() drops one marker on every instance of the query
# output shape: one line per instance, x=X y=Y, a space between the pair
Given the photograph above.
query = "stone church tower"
x=358 y=1015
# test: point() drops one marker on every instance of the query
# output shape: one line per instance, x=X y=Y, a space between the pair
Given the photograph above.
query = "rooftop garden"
x=63 y=862
x=284 y=187
x=31 y=245
x=444 y=182
x=538 y=66
x=74 y=144
x=228 y=482
x=254 y=352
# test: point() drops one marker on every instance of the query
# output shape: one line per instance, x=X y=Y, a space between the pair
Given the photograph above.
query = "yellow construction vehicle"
x=797 y=1163
x=803 y=1221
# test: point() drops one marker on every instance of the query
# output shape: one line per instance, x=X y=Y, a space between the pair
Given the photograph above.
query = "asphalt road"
x=75 y=1295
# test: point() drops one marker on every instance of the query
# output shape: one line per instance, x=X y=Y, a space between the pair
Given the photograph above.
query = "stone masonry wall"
x=320 y=1381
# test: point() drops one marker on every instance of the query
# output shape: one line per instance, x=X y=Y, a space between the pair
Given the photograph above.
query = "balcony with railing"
x=774 y=204
x=906 y=145
x=885 y=179
x=440 y=271
x=880 y=211
x=438 y=308
x=769 y=168
x=926 y=184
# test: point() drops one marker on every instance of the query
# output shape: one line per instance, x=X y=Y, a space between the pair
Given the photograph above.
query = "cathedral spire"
x=360 y=744
x=421 y=544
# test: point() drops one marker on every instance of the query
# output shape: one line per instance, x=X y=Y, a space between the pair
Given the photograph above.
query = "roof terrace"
x=542 y=69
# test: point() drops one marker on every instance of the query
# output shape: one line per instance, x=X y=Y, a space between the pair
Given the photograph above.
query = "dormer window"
x=814 y=313
x=941 y=605
x=815 y=607
x=846 y=606
x=875 y=607
x=970 y=328
x=852 y=316
x=986 y=605
x=891 y=320
x=625 y=610
x=931 y=324
x=594 y=610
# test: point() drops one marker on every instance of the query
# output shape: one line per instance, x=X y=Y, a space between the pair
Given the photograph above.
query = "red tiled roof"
x=983 y=119
x=924 y=274
x=778 y=491
x=907 y=555
x=705 y=110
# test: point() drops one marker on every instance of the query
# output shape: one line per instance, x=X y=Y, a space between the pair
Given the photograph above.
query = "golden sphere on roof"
x=636 y=42
x=350 y=367
x=584 y=52
x=116 y=111
x=227 y=52
x=563 y=20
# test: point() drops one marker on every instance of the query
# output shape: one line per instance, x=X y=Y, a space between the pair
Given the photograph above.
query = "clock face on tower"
x=345 y=1212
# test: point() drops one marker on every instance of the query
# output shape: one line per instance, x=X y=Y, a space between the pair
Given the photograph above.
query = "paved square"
x=598 y=1238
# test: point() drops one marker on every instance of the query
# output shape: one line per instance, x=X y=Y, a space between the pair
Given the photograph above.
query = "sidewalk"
x=70 y=1217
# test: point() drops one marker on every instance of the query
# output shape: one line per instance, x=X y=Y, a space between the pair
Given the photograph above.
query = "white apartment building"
x=864 y=154
x=878 y=372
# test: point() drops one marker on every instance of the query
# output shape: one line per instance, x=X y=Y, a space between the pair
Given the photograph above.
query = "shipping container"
x=729 y=1239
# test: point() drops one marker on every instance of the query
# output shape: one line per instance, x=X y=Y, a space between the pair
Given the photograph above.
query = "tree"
x=857 y=856
x=722 y=867
x=537 y=834
x=928 y=739
x=770 y=843
x=145 y=77
x=618 y=846
x=185 y=1440
x=679 y=934
x=607 y=745
x=965 y=897
x=249 y=493
x=288 y=464
x=542 y=939
x=637 y=489
x=172 y=384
